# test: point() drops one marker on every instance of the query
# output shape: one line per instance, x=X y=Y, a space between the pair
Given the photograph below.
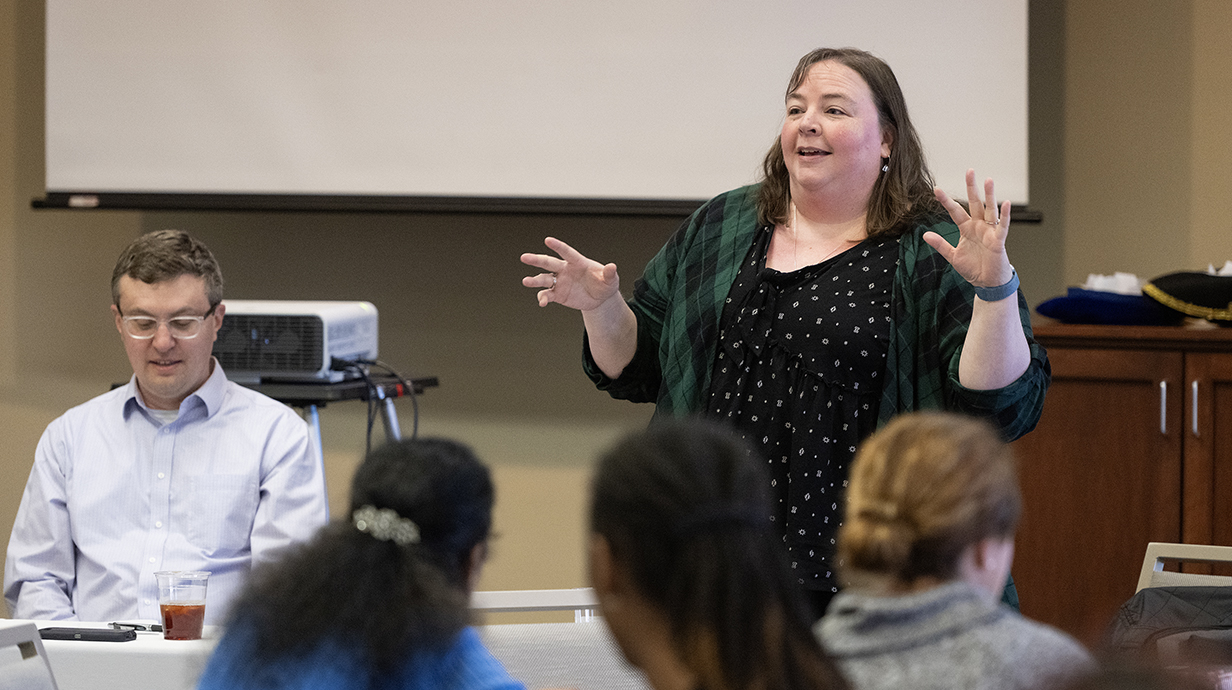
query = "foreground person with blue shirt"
x=381 y=597
x=178 y=470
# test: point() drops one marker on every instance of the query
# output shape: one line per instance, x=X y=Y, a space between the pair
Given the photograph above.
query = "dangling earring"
x=885 y=165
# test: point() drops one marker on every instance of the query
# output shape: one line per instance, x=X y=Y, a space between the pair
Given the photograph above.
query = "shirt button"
x=158 y=524
x=151 y=559
x=147 y=602
x=161 y=475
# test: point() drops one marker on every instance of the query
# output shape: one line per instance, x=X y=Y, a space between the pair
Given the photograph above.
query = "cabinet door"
x=1208 y=450
x=1101 y=477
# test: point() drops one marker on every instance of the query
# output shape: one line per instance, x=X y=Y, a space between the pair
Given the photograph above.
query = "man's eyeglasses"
x=180 y=327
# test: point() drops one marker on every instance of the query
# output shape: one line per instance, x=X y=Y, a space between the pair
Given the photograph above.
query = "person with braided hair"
x=924 y=550
x=688 y=576
x=380 y=598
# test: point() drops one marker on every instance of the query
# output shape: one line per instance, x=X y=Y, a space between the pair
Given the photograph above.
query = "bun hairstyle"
x=685 y=511
x=922 y=490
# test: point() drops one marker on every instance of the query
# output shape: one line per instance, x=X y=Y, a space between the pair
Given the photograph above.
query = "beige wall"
x=1148 y=136
x=8 y=179
x=1210 y=166
x=1128 y=137
x=1129 y=164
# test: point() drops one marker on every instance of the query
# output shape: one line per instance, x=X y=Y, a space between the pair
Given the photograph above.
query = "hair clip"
x=386 y=525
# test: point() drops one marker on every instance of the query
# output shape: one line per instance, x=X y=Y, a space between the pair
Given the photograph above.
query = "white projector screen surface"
x=642 y=99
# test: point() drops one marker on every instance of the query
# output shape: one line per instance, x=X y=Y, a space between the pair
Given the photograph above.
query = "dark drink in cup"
x=182 y=620
x=181 y=598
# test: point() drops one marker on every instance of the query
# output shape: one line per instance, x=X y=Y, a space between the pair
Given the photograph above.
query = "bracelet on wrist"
x=999 y=292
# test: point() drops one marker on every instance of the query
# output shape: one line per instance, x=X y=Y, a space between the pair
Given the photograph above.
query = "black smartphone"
x=91 y=634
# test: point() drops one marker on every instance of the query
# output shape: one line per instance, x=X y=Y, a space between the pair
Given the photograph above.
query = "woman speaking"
x=810 y=308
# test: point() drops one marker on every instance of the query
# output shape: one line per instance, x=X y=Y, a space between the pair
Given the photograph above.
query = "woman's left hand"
x=980 y=255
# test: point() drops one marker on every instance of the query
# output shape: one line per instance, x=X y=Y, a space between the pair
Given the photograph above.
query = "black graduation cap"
x=1192 y=293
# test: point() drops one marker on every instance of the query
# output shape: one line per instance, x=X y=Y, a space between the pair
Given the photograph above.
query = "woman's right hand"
x=571 y=279
x=593 y=288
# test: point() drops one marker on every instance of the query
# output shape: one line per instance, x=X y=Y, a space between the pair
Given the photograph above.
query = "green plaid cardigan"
x=679 y=299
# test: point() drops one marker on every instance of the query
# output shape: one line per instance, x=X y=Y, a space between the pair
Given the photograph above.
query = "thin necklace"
x=795 y=244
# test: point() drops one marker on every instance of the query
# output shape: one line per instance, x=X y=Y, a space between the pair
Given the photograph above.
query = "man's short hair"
x=167 y=255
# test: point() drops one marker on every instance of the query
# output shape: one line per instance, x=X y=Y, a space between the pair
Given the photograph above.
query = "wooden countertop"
x=1196 y=335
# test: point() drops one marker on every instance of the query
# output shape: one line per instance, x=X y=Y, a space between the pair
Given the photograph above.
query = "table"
x=311 y=395
x=581 y=655
x=146 y=662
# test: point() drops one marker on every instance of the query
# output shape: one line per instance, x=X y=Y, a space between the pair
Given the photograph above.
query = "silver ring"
x=553 y=282
x=993 y=222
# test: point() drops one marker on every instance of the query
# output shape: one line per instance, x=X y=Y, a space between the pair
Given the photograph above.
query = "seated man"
x=178 y=470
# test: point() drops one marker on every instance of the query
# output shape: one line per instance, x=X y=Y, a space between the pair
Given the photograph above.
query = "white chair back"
x=581 y=601
x=1154 y=575
x=23 y=661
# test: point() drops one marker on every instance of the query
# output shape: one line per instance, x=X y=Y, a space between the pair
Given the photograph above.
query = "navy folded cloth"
x=1108 y=308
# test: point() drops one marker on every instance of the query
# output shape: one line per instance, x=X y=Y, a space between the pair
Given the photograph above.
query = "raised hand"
x=980 y=254
x=571 y=279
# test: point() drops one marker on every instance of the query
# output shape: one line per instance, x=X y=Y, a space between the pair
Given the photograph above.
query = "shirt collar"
x=210 y=394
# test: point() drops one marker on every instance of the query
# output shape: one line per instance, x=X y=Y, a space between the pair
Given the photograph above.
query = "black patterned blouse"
x=798 y=374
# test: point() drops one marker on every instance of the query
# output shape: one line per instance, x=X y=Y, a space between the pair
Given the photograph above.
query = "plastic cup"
x=181 y=598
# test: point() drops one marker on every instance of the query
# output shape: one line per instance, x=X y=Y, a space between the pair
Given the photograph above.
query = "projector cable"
x=407 y=386
x=375 y=394
x=357 y=367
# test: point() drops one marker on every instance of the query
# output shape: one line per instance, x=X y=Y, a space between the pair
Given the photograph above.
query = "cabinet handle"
x=1163 y=407
x=1194 y=391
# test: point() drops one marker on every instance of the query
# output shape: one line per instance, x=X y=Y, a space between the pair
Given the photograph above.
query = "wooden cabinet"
x=1134 y=446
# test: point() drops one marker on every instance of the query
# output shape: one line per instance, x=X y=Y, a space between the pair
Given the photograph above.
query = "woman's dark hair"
x=902 y=194
x=383 y=598
x=685 y=511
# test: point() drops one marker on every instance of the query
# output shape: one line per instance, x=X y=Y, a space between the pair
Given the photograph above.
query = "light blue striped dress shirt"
x=115 y=495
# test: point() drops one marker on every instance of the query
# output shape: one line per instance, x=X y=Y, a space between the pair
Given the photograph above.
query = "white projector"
x=292 y=340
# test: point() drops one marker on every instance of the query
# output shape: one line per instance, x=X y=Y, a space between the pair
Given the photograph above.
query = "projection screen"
x=555 y=99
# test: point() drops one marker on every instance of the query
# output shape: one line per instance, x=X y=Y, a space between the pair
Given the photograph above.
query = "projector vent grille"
x=270 y=343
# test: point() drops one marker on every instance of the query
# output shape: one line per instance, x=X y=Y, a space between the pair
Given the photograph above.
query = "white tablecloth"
x=572 y=655
x=146 y=662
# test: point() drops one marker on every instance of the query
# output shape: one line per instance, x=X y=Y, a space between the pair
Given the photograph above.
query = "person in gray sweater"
x=925 y=547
